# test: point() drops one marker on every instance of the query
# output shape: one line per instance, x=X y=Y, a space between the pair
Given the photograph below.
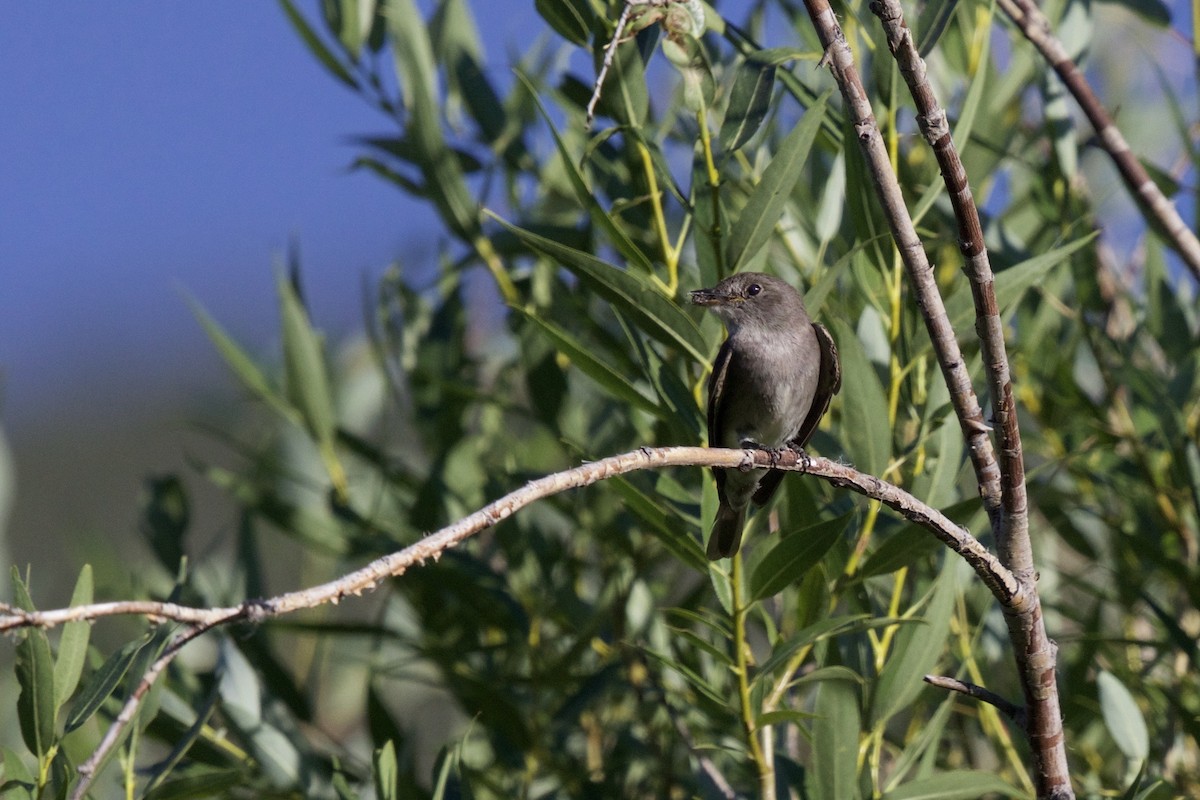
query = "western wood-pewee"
x=770 y=386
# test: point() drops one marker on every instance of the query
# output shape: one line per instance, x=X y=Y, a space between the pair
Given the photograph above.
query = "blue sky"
x=153 y=150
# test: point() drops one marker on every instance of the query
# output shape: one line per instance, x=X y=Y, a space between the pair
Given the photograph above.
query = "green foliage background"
x=584 y=647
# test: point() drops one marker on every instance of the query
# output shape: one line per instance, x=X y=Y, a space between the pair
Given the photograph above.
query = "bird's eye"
x=753 y=289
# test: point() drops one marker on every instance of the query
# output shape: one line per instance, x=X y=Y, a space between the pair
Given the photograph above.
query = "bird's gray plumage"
x=770 y=385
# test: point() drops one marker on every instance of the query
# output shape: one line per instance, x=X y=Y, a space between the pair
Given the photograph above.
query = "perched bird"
x=770 y=386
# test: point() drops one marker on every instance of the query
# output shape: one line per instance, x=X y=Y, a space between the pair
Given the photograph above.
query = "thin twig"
x=87 y=770
x=610 y=50
x=1009 y=709
x=931 y=118
x=1003 y=584
x=1036 y=28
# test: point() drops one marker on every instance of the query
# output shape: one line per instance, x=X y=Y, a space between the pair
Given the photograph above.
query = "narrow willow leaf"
x=816 y=632
x=931 y=24
x=313 y=42
x=571 y=19
x=1012 y=283
x=1123 y=718
x=663 y=524
x=794 y=555
x=609 y=378
x=687 y=55
x=73 y=645
x=749 y=101
x=765 y=205
x=776 y=56
x=308 y=384
x=834 y=774
x=627 y=291
x=243 y=367
x=916 y=650
x=35 y=675
x=385 y=772
x=957 y=785
x=101 y=684
x=866 y=434
x=416 y=71
x=599 y=216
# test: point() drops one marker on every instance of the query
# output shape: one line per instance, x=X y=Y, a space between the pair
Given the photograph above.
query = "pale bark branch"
x=1009 y=591
x=999 y=579
x=1161 y=211
x=1034 y=652
x=916 y=263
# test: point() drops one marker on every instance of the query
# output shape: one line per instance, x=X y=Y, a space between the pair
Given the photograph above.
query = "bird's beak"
x=708 y=297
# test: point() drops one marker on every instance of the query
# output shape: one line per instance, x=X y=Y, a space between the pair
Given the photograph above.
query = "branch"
x=920 y=273
x=1009 y=591
x=87 y=770
x=1034 y=652
x=1029 y=18
x=1012 y=537
x=1011 y=710
x=1003 y=584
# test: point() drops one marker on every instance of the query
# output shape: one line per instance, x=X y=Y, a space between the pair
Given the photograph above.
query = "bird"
x=770 y=385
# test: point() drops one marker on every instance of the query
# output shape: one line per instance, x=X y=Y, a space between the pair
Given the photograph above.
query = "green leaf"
x=599 y=215
x=316 y=46
x=1012 y=283
x=931 y=24
x=571 y=19
x=416 y=71
x=1123 y=718
x=687 y=55
x=865 y=432
x=916 y=650
x=385 y=772
x=794 y=555
x=243 y=367
x=308 y=386
x=591 y=365
x=201 y=784
x=101 y=684
x=957 y=785
x=35 y=675
x=165 y=515
x=627 y=291
x=765 y=205
x=834 y=773
x=73 y=644
x=664 y=525
x=749 y=102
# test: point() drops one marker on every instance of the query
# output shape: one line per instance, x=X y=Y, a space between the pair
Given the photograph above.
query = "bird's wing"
x=829 y=383
x=716 y=387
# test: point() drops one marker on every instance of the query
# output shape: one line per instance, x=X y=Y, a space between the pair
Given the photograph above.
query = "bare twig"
x=932 y=119
x=920 y=273
x=999 y=579
x=1034 y=652
x=1029 y=18
x=1009 y=591
x=1011 y=710
x=87 y=770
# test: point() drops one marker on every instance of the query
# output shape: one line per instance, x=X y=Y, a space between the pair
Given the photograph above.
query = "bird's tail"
x=726 y=536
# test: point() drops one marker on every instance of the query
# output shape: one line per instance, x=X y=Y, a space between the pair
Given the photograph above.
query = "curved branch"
x=1003 y=584
x=1036 y=28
